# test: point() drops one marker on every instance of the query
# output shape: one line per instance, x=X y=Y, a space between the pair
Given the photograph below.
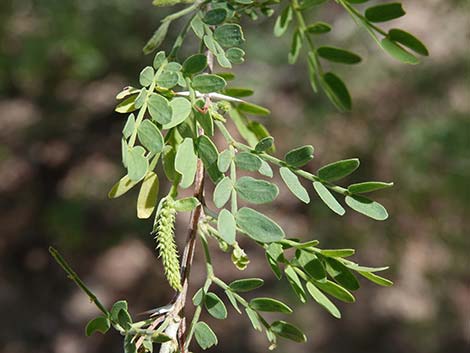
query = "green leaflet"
x=147 y=199
x=167 y=79
x=338 y=252
x=323 y=300
x=335 y=290
x=289 y=331
x=367 y=207
x=141 y=98
x=337 y=91
x=215 y=16
x=207 y=83
x=384 y=12
x=209 y=155
x=299 y=156
x=238 y=92
x=195 y=64
x=265 y=169
x=224 y=160
x=204 y=335
x=229 y=35
x=256 y=191
x=150 y=136
x=186 y=162
x=369 y=186
x=296 y=45
x=295 y=283
x=159 y=109
x=246 y=284
x=282 y=22
x=126 y=92
x=264 y=144
x=312 y=265
x=146 y=76
x=241 y=122
x=222 y=192
x=376 y=279
x=318 y=28
x=169 y=154
x=269 y=305
x=226 y=226
x=232 y=300
x=341 y=274
x=186 y=204
x=121 y=187
x=408 y=40
x=257 y=226
x=338 y=170
x=236 y=55
x=159 y=59
x=338 y=55
x=129 y=126
x=99 y=324
x=215 y=306
x=137 y=164
x=198 y=296
x=180 y=110
x=294 y=185
x=328 y=198
x=127 y=105
x=248 y=161
x=254 y=109
x=254 y=318
x=398 y=52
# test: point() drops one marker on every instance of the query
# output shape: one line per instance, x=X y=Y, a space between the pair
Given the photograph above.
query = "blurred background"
x=61 y=64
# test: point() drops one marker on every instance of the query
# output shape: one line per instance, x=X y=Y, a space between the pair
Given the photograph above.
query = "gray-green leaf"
x=384 y=12
x=222 y=192
x=257 y=226
x=137 y=164
x=150 y=136
x=246 y=284
x=204 y=335
x=256 y=191
x=146 y=76
x=289 y=331
x=147 y=199
x=186 y=162
x=229 y=35
x=323 y=300
x=226 y=226
x=328 y=198
x=294 y=185
x=215 y=306
x=369 y=186
x=299 y=156
x=248 y=161
x=338 y=170
x=159 y=109
x=99 y=324
x=367 y=207
x=269 y=305
x=208 y=83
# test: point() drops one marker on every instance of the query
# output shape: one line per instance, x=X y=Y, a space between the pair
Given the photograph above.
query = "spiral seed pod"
x=163 y=230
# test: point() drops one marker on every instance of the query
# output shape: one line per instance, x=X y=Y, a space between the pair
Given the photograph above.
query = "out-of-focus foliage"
x=61 y=63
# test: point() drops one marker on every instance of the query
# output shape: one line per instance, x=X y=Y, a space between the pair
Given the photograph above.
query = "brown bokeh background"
x=61 y=64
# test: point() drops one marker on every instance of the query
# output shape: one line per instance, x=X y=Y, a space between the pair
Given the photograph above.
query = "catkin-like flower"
x=163 y=230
